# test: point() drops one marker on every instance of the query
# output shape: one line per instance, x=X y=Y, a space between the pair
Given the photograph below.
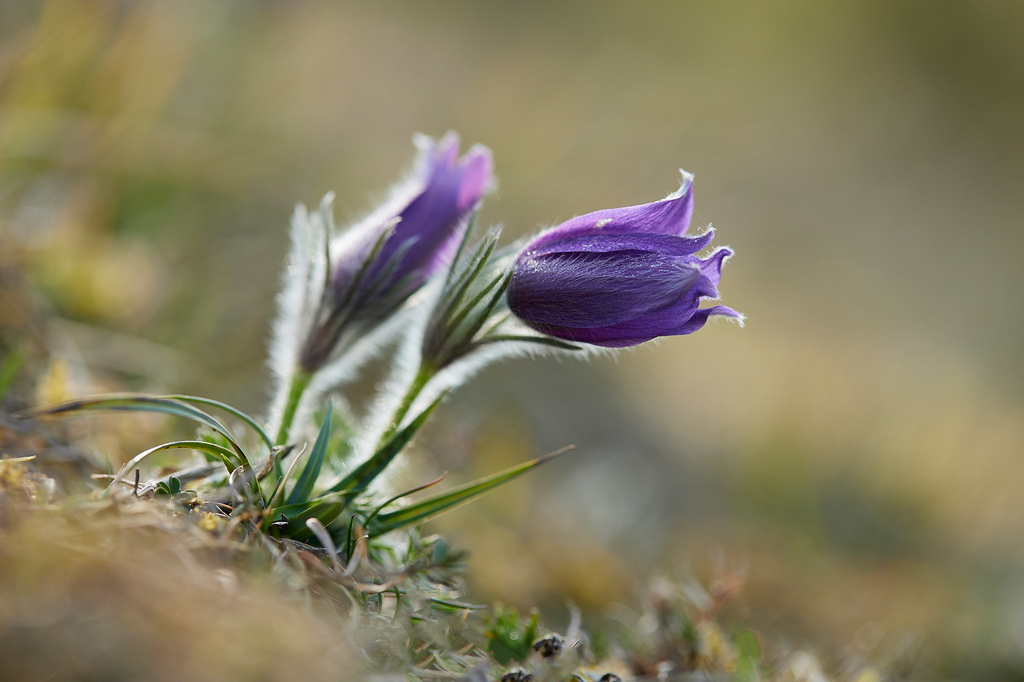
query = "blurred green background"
x=857 y=451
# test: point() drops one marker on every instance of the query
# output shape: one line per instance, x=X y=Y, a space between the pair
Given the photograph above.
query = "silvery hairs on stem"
x=343 y=296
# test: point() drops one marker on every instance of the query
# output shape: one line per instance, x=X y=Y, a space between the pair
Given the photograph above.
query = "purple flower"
x=381 y=262
x=620 y=277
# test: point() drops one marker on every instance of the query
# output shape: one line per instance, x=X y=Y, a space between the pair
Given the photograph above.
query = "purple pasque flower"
x=620 y=277
x=378 y=264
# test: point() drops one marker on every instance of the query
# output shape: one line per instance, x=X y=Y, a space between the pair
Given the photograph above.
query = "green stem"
x=300 y=382
x=424 y=374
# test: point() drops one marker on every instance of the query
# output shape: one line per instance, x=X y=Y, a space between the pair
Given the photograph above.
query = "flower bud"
x=378 y=264
x=620 y=277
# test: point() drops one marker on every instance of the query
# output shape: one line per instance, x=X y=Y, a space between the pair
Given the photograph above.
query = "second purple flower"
x=380 y=263
x=620 y=277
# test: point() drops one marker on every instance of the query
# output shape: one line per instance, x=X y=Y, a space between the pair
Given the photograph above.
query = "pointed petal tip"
x=445 y=142
x=479 y=150
x=730 y=315
x=435 y=154
x=685 y=190
x=477 y=166
x=448 y=140
x=424 y=143
x=479 y=160
x=724 y=253
x=448 y=147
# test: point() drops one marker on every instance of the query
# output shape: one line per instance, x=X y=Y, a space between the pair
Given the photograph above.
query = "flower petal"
x=588 y=289
x=670 y=216
x=478 y=176
x=379 y=263
x=700 y=318
x=430 y=227
x=620 y=277
x=711 y=267
x=640 y=330
x=600 y=242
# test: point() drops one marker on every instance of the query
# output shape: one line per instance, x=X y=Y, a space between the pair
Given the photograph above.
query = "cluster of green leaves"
x=287 y=494
x=273 y=492
x=509 y=637
x=172 y=487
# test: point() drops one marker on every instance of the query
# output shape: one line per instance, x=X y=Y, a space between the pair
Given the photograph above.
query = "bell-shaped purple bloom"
x=620 y=277
x=381 y=262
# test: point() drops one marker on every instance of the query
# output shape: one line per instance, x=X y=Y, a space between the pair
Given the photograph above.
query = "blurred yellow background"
x=857 y=449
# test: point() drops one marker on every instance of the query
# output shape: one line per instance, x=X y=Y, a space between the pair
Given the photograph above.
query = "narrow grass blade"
x=17 y=460
x=360 y=477
x=219 y=451
x=136 y=402
x=307 y=479
x=196 y=400
x=431 y=507
x=141 y=402
x=413 y=491
x=454 y=607
x=279 y=488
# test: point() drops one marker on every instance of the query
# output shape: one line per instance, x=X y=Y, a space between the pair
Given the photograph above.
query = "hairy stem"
x=424 y=374
x=299 y=384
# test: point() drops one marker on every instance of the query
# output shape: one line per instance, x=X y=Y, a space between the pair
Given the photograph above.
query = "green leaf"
x=307 y=479
x=454 y=607
x=462 y=246
x=230 y=410
x=361 y=477
x=507 y=638
x=279 y=487
x=226 y=456
x=480 y=317
x=411 y=491
x=474 y=302
x=749 y=666
x=465 y=279
x=431 y=507
x=138 y=402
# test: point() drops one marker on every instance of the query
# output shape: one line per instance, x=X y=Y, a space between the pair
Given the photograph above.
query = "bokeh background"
x=856 y=452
